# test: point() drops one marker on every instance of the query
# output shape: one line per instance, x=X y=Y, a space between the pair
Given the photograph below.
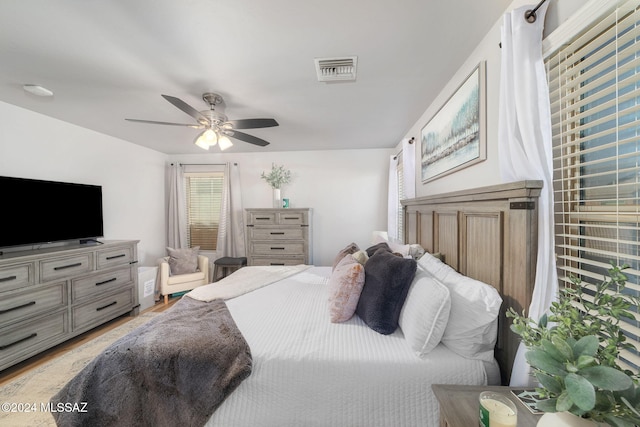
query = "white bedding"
x=310 y=372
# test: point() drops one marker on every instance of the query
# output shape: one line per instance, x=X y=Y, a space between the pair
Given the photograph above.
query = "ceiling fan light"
x=206 y=139
x=200 y=142
x=224 y=142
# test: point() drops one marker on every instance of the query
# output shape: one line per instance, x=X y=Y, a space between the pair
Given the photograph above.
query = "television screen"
x=36 y=211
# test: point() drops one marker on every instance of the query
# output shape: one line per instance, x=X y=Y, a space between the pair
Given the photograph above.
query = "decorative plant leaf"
x=581 y=391
x=586 y=346
x=586 y=361
x=564 y=402
x=547 y=405
x=542 y=360
x=562 y=346
x=618 y=422
x=550 y=383
x=543 y=321
x=607 y=378
x=553 y=351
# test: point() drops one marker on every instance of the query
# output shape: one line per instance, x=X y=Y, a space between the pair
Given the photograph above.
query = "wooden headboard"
x=489 y=234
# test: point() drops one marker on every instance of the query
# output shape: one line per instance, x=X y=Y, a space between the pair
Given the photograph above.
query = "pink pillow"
x=345 y=286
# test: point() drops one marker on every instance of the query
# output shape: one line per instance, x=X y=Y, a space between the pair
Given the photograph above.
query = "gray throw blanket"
x=175 y=370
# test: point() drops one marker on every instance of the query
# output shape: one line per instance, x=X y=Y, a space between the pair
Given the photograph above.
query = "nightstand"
x=459 y=405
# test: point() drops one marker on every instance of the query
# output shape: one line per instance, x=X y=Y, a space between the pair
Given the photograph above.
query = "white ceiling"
x=110 y=59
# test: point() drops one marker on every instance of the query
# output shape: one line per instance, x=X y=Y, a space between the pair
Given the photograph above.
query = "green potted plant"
x=573 y=352
x=276 y=179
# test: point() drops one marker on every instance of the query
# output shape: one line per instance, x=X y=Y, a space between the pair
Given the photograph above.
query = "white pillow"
x=425 y=313
x=433 y=265
x=473 y=322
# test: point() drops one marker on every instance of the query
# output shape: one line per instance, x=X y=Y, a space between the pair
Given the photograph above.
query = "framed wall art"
x=455 y=137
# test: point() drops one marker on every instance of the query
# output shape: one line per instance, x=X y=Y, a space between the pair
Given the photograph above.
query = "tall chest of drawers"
x=279 y=236
x=50 y=295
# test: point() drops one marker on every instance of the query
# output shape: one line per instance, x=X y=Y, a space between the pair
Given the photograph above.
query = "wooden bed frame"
x=489 y=234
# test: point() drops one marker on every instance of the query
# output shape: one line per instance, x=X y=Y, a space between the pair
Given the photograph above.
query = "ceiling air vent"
x=336 y=69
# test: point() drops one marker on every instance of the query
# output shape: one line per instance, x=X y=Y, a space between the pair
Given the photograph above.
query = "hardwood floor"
x=10 y=373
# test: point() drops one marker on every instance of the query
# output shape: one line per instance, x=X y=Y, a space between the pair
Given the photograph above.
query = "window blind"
x=594 y=84
x=204 y=200
x=401 y=195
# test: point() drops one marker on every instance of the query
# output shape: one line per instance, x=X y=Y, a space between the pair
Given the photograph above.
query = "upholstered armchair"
x=173 y=283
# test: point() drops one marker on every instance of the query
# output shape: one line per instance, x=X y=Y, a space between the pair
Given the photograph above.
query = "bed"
x=307 y=370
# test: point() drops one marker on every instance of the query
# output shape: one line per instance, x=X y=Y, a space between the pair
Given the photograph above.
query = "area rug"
x=25 y=400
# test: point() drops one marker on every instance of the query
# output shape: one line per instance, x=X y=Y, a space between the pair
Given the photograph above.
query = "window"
x=204 y=200
x=401 y=195
x=594 y=84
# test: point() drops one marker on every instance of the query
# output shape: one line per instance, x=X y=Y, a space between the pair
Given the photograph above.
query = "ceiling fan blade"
x=252 y=123
x=179 y=103
x=194 y=126
x=248 y=138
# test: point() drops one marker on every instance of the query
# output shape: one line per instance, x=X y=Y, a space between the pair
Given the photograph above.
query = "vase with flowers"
x=276 y=178
x=574 y=351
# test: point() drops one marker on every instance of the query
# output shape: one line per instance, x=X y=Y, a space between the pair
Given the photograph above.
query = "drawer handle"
x=277 y=263
x=109 y=258
x=18 y=307
x=4 y=347
x=277 y=233
x=106 y=306
x=291 y=217
x=263 y=218
x=279 y=249
x=113 y=279
x=62 y=267
x=7 y=279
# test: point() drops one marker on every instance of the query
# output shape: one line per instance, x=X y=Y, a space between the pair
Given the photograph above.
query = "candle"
x=497 y=411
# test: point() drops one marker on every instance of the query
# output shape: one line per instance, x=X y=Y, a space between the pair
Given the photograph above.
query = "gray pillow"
x=375 y=248
x=387 y=279
x=183 y=261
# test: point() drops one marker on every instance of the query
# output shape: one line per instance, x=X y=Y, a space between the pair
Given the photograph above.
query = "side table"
x=459 y=405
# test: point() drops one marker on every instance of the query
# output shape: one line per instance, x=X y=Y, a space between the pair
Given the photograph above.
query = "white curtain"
x=524 y=145
x=231 y=228
x=392 y=210
x=177 y=213
x=409 y=167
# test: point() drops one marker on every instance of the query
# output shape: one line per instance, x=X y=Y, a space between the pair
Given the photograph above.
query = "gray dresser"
x=50 y=295
x=279 y=236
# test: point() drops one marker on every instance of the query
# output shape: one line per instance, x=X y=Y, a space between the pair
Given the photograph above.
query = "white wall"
x=347 y=190
x=132 y=177
x=486 y=172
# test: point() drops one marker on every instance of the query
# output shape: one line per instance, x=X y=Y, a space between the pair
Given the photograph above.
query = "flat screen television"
x=36 y=211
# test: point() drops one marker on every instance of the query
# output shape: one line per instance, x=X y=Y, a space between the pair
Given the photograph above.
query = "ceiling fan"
x=217 y=128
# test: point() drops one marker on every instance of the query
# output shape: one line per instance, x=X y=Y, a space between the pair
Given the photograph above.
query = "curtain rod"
x=530 y=15
x=411 y=141
x=203 y=164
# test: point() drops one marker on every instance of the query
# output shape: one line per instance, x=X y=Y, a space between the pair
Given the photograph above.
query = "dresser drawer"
x=278 y=248
x=93 y=285
x=17 y=276
x=96 y=312
x=292 y=218
x=113 y=257
x=294 y=233
x=29 y=304
x=51 y=269
x=24 y=339
x=296 y=260
x=261 y=218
